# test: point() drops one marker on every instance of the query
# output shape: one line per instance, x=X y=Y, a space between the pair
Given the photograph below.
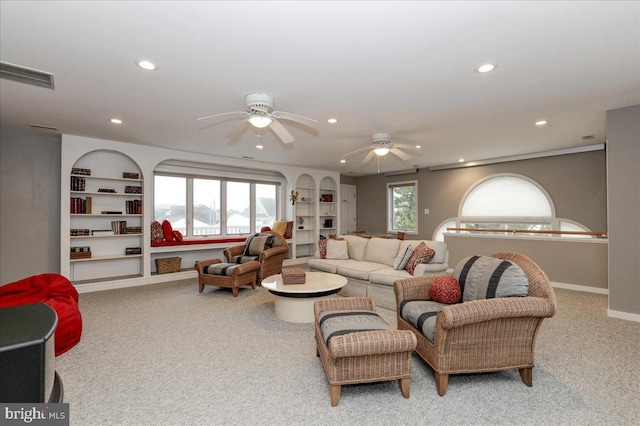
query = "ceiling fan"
x=260 y=114
x=380 y=146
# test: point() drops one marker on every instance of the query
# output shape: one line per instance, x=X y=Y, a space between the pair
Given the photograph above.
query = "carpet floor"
x=165 y=354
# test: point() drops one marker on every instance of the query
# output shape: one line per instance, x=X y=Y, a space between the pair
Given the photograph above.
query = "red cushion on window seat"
x=197 y=240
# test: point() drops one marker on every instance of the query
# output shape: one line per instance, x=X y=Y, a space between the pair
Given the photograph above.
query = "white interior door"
x=347 y=208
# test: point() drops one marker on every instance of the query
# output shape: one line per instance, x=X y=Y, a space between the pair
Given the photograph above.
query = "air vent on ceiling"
x=26 y=75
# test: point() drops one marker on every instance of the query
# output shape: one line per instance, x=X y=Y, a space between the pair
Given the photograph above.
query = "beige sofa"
x=369 y=267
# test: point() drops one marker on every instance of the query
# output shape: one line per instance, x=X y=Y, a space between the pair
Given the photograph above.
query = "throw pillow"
x=167 y=230
x=402 y=258
x=288 y=232
x=157 y=234
x=337 y=249
x=421 y=254
x=279 y=227
x=177 y=235
x=255 y=244
x=485 y=277
x=322 y=248
x=445 y=289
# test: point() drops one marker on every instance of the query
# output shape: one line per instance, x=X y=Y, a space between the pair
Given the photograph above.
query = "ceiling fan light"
x=259 y=121
x=381 y=151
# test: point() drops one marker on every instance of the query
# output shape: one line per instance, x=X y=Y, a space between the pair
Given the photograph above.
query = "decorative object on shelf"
x=326 y=198
x=130 y=189
x=107 y=190
x=80 y=252
x=293 y=276
x=328 y=223
x=300 y=220
x=130 y=175
x=168 y=264
x=293 y=197
x=132 y=250
x=80 y=171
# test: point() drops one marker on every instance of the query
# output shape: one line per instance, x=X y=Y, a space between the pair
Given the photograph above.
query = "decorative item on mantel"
x=293 y=276
x=293 y=197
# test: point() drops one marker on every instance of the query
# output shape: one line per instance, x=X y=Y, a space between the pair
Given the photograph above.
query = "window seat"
x=196 y=243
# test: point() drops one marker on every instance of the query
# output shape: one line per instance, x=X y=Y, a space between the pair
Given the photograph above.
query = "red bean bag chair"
x=57 y=292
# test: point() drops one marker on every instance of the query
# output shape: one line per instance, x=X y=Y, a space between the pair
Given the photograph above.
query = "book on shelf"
x=80 y=252
x=79 y=205
x=77 y=183
x=102 y=232
x=133 y=207
x=80 y=171
x=134 y=230
x=119 y=227
x=111 y=212
x=79 y=232
x=130 y=175
x=129 y=189
x=133 y=250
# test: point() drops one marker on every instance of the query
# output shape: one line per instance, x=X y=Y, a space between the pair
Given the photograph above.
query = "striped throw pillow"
x=484 y=277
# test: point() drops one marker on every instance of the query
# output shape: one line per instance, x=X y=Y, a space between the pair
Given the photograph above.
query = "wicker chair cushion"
x=422 y=315
x=338 y=323
x=485 y=277
x=256 y=243
x=220 y=269
x=243 y=259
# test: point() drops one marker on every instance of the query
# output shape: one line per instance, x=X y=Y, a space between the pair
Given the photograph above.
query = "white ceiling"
x=405 y=68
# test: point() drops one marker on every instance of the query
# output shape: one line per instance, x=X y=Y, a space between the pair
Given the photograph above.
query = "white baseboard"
x=623 y=315
x=576 y=287
x=134 y=282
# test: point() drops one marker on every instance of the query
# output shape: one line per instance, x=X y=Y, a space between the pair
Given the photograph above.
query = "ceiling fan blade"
x=228 y=115
x=280 y=131
x=400 y=154
x=369 y=156
x=354 y=152
x=405 y=146
x=309 y=122
x=237 y=133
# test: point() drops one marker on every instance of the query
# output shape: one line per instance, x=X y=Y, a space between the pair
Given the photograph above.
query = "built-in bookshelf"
x=106 y=202
x=328 y=210
x=305 y=217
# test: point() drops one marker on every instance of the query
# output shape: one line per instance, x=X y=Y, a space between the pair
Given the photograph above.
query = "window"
x=403 y=207
x=505 y=203
x=202 y=206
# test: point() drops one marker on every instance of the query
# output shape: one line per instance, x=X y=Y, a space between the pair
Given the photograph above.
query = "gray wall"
x=575 y=182
x=29 y=204
x=623 y=159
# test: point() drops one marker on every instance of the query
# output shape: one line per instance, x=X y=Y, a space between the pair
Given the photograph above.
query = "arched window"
x=504 y=203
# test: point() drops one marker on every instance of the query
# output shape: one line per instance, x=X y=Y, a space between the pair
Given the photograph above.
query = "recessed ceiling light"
x=146 y=65
x=332 y=120
x=541 y=122
x=259 y=146
x=343 y=161
x=116 y=121
x=460 y=160
x=488 y=67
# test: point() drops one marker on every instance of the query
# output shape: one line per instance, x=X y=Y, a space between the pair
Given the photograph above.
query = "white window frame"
x=390 y=187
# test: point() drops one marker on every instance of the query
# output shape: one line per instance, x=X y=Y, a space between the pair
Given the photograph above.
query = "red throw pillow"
x=167 y=230
x=445 y=289
x=322 y=248
x=289 y=230
x=177 y=235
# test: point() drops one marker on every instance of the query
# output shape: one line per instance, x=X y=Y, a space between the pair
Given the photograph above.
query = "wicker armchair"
x=270 y=259
x=482 y=335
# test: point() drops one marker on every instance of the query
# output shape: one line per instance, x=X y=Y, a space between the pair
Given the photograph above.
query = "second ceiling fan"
x=381 y=145
x=260 y=114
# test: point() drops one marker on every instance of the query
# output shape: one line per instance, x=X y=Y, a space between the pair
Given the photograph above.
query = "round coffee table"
x=294 y=302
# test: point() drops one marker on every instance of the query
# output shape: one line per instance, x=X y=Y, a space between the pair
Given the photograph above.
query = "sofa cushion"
x=382 y=250
x=403 y=257
x=422 y=315
x=327 y=265
x=337 y=249
x=445 y=289
x=430 y=268
x=359 y=270
x=387 y=276
x=484 y=277
x=338 y=323
x=356 y=246
x=439 y=247
x=421 y=254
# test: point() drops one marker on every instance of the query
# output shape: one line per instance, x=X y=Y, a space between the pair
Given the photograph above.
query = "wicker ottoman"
x=231 y=275
x=356 y=356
